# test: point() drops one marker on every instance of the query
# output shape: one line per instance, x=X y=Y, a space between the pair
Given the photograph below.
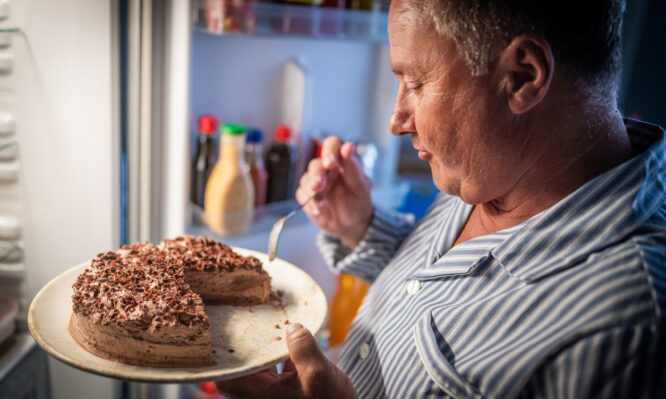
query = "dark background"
x=643 y=88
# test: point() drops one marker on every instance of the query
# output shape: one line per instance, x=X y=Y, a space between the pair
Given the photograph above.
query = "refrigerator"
x=101 y=99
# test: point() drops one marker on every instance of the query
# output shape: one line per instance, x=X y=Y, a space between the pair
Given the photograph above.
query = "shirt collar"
x=604 y=211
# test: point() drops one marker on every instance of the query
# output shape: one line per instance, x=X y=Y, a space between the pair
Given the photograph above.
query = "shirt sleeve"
x=385 y=233
x=620 y=363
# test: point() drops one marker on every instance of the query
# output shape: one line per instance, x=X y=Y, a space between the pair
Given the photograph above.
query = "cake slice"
x=131 y=305
x=218 y=274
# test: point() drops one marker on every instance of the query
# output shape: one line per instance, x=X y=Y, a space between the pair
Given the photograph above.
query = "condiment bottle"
x=203 y=159
x=253 y=157
x=229 y=197
x=280 y=160
x=344 y=305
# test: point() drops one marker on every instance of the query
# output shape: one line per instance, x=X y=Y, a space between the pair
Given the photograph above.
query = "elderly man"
x=541 y=269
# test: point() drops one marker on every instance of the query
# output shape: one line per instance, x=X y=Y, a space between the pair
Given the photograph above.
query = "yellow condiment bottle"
x=344 y=305
x=229 y=196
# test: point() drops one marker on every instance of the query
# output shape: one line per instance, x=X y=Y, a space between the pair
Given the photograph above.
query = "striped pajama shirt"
x=568 y=304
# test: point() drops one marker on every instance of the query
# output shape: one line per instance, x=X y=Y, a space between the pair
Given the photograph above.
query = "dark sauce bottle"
x=204 y=159
x=279 y=163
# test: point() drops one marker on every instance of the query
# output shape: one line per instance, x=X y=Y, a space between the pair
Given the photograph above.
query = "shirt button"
x=364 y=351
x=413 y=287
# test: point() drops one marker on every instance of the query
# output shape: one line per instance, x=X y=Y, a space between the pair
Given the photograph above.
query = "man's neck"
x=592 y=145
x=589 y=145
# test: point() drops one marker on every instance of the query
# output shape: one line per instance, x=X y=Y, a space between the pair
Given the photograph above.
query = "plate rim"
x=208 y=375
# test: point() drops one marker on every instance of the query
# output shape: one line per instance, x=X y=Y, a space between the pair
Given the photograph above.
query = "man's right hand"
x=344 y=208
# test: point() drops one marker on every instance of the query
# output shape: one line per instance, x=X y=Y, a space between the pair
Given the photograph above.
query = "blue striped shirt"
x=568 y=304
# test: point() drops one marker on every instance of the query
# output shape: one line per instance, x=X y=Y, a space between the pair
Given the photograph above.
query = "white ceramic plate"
x=251 y=332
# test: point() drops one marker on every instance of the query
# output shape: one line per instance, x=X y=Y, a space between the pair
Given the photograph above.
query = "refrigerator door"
x=57 y=105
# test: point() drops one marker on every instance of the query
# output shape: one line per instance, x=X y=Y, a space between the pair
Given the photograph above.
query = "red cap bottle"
x=279 y=162
x=282 y=133
x=207 y=124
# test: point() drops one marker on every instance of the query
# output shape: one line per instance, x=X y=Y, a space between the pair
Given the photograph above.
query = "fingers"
x=315 y=207
x=316 y=175
x=336 y=153
x=303 y=349
x=319 y=378
x=310 y=362
x=330 y=152
x=247 y=386
x=313 y=181
x=351 y=170
x=265 y=384
x=310 y=184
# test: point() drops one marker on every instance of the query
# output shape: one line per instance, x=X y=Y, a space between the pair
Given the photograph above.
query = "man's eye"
x=413 y=86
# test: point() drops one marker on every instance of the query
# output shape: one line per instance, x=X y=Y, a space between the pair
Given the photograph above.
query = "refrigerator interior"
x=250 y=79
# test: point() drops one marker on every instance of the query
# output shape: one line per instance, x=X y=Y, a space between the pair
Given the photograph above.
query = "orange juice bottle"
x=344 y=305
x=229 y=196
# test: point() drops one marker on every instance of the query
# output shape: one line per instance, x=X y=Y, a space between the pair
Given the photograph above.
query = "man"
x=541 y=270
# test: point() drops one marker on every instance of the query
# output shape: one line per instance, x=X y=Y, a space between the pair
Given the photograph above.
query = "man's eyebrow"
x=397 y=71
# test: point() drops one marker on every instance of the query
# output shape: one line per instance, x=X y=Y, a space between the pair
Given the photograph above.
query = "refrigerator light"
x=10 y=228
x=6 y=62
x=9 y=172
x=7 y=124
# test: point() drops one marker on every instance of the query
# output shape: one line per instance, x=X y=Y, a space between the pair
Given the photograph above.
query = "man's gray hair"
x=584 y=35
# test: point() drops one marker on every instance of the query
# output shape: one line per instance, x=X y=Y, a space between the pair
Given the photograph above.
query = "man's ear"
x=526 y=67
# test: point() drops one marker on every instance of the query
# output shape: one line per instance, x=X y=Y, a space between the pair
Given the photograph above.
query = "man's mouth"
x=422 y=154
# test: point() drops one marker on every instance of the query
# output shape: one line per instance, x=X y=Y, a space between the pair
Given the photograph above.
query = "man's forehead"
x=415 y=49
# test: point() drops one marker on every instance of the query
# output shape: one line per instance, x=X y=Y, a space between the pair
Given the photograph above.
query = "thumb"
x=318 y=376
x=351 y=171
x=304 y=350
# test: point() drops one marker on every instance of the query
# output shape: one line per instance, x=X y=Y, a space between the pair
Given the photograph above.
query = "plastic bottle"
x=253 y=157
x=344 y=305
x=229 y=196
x=204 y=159
x=279 y=161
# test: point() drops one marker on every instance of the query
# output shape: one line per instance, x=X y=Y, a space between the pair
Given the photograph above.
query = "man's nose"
x=401 y=121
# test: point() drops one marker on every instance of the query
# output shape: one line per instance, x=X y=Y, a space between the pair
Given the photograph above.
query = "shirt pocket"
x=436 y=364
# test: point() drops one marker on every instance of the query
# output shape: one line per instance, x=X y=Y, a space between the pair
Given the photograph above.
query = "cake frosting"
x=142 y=304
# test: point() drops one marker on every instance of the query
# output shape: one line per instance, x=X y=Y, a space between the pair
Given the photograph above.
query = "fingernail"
x=315 y=182
x=292 y=328
x=328 y=160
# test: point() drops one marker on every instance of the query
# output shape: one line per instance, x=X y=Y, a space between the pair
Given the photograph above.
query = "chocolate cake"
x=217 y=273
x=142 y=304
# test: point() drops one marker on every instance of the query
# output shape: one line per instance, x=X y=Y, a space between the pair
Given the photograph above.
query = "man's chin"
x=447 y=185
x=467 y=193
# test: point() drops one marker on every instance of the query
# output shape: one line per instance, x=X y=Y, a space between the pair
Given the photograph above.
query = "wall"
x=238 y=79
x=61 y=93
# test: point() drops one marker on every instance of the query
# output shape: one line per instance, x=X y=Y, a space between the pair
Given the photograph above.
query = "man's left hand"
x=307 y=374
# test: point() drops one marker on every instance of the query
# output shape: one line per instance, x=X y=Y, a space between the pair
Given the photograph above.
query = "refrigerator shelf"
x=384 y=196
x=280 y=20
x=263 y=220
